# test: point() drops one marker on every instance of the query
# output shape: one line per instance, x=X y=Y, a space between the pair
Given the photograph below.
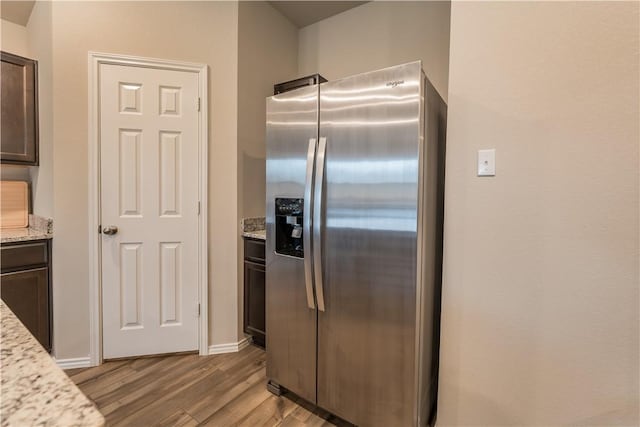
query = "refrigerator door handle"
x=317 y=221
x=306 y=224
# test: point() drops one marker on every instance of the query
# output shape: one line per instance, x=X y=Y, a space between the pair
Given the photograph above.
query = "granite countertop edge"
x=40 y=228
x=35 y=391
x=253 y=228
x=256 y=234
x=24 y=235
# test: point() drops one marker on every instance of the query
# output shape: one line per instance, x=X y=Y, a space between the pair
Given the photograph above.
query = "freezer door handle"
x=317 y=221
x=306 y=224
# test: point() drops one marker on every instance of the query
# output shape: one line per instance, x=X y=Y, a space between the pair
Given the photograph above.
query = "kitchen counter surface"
x=255 y=234
x=39 y=228
x=23 y=235
x=253 y=228
x=35 y=391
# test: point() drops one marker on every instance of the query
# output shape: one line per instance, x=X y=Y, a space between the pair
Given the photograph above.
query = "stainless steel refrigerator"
x=355 y=171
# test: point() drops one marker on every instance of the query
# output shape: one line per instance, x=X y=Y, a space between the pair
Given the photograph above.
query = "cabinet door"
x=254 y=320
x=19 y=102
x=26 y=293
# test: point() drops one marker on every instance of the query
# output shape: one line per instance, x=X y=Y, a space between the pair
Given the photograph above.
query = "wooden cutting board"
x=14 y=204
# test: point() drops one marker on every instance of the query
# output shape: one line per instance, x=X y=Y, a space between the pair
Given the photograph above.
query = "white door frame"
x=95 y=252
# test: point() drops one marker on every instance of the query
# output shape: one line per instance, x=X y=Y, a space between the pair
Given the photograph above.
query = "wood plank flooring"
x=190 y=390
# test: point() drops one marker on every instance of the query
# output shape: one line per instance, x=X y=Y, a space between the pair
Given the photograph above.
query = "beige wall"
x=376 y=35
x=204 y=32
x=267 y=54
x=13 y=39
x=540 y=305
x=40 y=48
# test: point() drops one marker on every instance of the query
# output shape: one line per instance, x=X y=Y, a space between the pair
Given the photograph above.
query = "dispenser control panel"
x=289 y=217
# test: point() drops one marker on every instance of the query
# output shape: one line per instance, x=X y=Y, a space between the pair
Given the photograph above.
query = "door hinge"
x=198 y=208
x=198 y=104
x=198 y=309
x=99 y=228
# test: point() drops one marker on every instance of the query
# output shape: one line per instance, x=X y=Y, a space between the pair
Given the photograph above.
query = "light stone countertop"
x=39 y=228
x=255 y=234
x=35 y=391
x=253 y=228
x=23 y=235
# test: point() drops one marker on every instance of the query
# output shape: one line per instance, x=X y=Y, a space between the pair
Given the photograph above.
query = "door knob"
x=110 y=230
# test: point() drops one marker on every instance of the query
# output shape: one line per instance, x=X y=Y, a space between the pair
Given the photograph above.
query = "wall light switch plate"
x=487 y=162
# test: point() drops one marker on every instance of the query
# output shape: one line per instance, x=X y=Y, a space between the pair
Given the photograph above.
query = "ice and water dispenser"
x=289 y=215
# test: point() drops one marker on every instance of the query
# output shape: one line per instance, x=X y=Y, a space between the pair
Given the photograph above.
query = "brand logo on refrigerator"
x=395 y=83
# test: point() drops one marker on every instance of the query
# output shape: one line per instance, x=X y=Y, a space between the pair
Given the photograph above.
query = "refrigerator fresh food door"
x=368 y=238
x=292 y=131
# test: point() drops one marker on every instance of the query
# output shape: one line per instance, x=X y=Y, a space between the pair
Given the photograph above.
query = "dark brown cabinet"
x=19 y=110
x=254 y=290
x=25 y=285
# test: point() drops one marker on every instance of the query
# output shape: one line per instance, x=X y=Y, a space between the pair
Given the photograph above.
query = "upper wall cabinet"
x=19 y=125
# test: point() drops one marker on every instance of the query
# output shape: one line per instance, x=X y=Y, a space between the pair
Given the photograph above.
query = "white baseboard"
x=78 y=362
x=232 y=347
x=85 y=362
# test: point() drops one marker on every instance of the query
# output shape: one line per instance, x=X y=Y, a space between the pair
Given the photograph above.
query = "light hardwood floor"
x=189 y=390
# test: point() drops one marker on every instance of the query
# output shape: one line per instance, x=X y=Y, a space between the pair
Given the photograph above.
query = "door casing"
x=95 y=270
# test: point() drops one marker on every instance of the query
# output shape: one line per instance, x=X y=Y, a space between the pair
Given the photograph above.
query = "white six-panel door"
x=149 y=191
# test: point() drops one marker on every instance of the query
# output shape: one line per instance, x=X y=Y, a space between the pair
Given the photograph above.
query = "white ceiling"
x=303 y=13
x=17 y=12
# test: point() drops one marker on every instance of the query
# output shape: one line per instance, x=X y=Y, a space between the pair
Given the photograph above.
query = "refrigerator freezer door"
x=367 y=333
x=292 y=121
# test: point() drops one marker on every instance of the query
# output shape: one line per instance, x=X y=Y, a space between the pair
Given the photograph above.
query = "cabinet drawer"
x=254 y=250
x=24 y=255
